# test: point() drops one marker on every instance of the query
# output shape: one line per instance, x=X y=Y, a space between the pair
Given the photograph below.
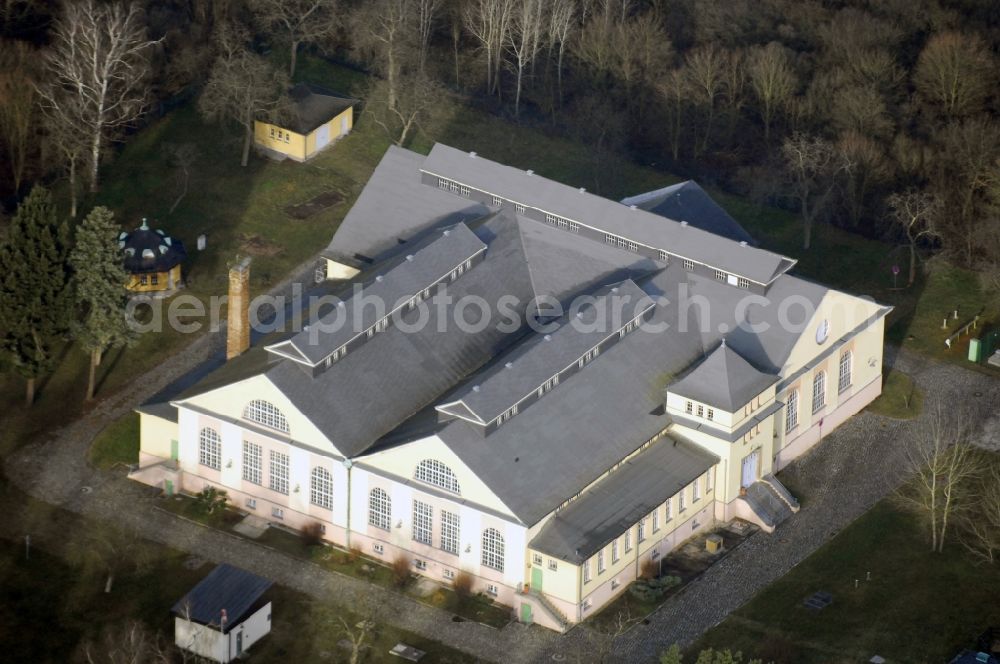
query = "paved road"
x=852 y=469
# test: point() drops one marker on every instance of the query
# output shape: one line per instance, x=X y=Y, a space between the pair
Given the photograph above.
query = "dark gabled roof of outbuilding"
x=314 y=106
x=723 y=380
x=686 y=201
x=619 y=501
x=228 y=588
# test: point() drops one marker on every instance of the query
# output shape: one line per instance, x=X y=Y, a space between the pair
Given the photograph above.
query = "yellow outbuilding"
x=152 y=259
x=319 y=117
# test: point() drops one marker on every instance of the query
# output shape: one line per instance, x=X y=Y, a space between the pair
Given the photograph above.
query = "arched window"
x=264 y=412
x=819 y=391
x=493 y=550
x=437 y=474
x=792 y=410
x=321 y=488
x=379 y=509
x=210 y=448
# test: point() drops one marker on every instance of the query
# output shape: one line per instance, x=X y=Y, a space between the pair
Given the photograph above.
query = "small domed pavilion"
x=152 y=259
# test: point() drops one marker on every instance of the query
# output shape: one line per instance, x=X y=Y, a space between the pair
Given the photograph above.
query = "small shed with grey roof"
x=222 y=616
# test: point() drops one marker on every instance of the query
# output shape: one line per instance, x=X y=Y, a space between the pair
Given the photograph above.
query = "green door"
x=173 y=450
x=536 y=578
x=168 y=486
x=526 y=614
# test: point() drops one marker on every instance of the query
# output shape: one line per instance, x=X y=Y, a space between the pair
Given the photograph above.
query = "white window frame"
x=600 y=562
x=696 y=491
x=436 y=473
x=380 y=509
x=742 y=282
x=253 y=462
x=641 y=529
x=210 y=448
x=321 y=487
x=266 y=414
x=845 y=372
x=278 y=513
x=553 y=566
x=819 y=391
x=586 y=571
x=721 y=276
x=450 y=529
x=423 y=522
x=792 y=411
x=277 y=472
x=493 y=549
x=614 y=551
x=688 y=264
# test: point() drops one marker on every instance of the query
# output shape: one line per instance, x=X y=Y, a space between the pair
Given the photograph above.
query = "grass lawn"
x=117 y=444
x=900 y=398
x=917 y=607
x=50 y=605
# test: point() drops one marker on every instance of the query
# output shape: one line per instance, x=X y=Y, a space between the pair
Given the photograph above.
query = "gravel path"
x=854 y=467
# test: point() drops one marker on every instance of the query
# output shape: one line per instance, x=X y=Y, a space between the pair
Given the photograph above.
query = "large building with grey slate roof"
x=526 y=382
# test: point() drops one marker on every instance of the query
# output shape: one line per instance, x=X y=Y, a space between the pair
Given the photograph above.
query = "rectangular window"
x=420 y=564
x=628 y=540
x=586 y=571
x=689 y=408
x=664 y=256
x=465 y=191
x=378 y=548
x=642 y=530
x=277 y=513
x=600 y=561
x=449 y=532
x=614 y=552
x=574 y=227
x=453 y=186
x=792 y=410
x=553 y=565
x=154 y=279
x=442 y=183
x=278 y=475
x=272 y=132
x=819 y=391
x=448 y=574
x=743 y=282
x=845 y=371
x=252 y=462
x=680 y=502
x=710 y=480
x=701 y=411
x=721 y=276
x=711 y=414
x=551 y=219
x=696 y=491
x=491 y=589
x=497 y=201
x=143 y=280
x=656 y=519
x=668 y=510
x=423 y=518
x=536 y=559
x=588 y=604
x=520 y=208
x=688 y=265
x=252 y=503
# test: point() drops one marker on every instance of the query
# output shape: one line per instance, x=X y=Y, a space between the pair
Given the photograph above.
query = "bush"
x=210 y=500
x=312 y=534
x=462 y=584
x=651 y=590
x=353 y=553
x=650 y=569
x=401 y=569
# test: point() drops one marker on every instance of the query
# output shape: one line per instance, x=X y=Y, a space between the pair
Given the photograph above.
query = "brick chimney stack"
x=238 y=330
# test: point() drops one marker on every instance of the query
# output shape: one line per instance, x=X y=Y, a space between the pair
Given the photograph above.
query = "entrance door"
x=322 y=136
x=168 y=487
x=174 y=452
x=536 y=578
x=239 y=643
x=526 y=614
x=751 y=468
x=343 y=125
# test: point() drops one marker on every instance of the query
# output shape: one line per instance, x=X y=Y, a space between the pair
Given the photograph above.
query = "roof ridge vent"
x=579 y=314
x=548 y=337
x=508 y=365
x=379 y=278
x=409 y=257
x=684 y=223
x=583 y=190
x=341 y=305
x=743 y=243
x=530 y=172
x=447 y=233
x=633 y=207
x=475 y=388
x=472 y=154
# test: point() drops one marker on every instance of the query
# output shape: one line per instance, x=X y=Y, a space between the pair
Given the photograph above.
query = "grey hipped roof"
x=617 y=502
x=605 y=215
x=226 y=588
x=313 y=106
x=544 y=355
x=686 y=201
x=723 y=380
x=393 y=208
x=417 y=271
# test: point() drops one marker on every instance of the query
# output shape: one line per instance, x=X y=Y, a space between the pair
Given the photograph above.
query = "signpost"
x=895 y=273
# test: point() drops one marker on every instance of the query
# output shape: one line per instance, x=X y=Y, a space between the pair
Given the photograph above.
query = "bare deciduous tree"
x=96 y=72
x=812 y=165
x=128 y=643
x=524 y=40
x=384 y=33
x=916 y=213
x=111 y=551
x=773 y=81
x=562 y=21
x=943 y=464
x=298 y=21
x=955 y=74
x=705 y=70
x=674 y=91
x=426 y=17
x=17 y=105
x=489 y=22
x=979 y=529
x=865 y=167
x=243 y=87
x=67 y=149
x=419 y=98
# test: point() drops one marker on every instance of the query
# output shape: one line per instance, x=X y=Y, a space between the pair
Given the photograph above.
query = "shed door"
x=322 y=136
x=343 y=124
x=239 y=643
x=536 y=579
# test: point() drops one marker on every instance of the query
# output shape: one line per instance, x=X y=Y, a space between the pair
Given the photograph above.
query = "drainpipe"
x=348 y=464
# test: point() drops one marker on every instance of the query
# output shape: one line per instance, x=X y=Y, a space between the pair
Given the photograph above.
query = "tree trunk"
x=95 y=361
x=29 y=395
x=913 y=265
x=559 y=66
x=391 y=79
x=292 y=61
x=109 y=583
x=72 y=188
x=517 y=94
x=95 y=160
x=247 y=140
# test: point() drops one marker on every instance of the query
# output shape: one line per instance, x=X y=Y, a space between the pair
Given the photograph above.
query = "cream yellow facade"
x=301 y=147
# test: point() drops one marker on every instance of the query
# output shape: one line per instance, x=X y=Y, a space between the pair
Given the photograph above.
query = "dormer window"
x=743 y=282
x=721 y=276
x=265 y=413
x=435 y=473
x=507 y=414
x=688 y=265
